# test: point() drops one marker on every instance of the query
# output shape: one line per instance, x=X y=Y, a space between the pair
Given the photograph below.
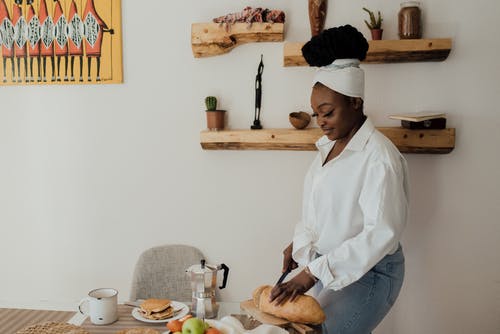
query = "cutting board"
x=269 y=319
x=264 y=318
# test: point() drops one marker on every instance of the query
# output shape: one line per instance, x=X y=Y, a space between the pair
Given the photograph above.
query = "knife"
x=282 y=277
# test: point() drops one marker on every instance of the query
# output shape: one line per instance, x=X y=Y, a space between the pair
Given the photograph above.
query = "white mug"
x=102 y=306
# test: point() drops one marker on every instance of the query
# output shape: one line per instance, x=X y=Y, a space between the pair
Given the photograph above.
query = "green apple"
x=193 y=326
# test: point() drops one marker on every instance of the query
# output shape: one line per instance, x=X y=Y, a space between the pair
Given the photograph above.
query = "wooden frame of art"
x=60 y=42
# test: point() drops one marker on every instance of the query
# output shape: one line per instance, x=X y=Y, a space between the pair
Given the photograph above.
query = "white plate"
x=176 y=305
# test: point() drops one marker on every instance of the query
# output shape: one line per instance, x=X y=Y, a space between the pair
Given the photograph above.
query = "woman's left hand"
x=292 y=289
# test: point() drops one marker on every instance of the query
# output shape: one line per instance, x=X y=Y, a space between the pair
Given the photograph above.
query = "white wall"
x=92 y=175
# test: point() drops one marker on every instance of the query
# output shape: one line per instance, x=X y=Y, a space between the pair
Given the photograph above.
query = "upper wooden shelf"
x=212 y=39
x=385 y=51
x=407 y=141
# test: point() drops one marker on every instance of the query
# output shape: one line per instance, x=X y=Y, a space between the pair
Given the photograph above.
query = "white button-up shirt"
x=354 y=208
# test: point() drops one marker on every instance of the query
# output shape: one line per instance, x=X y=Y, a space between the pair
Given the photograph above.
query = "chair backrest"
x=160 y=272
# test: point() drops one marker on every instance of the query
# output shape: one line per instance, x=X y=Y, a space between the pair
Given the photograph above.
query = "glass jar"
x=409 y=20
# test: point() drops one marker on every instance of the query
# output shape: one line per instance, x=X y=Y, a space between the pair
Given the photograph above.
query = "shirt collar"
x=357 y=142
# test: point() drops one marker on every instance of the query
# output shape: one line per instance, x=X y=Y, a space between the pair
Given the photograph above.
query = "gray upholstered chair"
x=160 y=272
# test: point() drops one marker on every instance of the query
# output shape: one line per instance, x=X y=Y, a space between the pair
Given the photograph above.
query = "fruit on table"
x=174 y=326
x=212 y=330
x=186 y=317
x=193 y=326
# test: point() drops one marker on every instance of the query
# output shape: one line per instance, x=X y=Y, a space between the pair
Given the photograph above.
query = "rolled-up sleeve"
x=303 y=252
x=383 y=202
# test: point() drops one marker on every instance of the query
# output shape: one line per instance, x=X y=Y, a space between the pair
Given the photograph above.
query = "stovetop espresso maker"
x=203 y=279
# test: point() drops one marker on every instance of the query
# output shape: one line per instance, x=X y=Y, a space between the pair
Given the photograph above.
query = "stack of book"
x=422 y=120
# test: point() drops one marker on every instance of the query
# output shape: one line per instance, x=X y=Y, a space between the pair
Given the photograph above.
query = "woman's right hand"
x=288 y=262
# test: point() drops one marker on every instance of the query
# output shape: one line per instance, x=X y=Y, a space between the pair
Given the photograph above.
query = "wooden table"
x=126 y=320
x=12 y=320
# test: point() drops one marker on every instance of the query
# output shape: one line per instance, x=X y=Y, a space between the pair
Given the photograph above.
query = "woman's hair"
x=335 y=43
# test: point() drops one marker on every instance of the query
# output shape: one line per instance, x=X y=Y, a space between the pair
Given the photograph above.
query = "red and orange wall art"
x=60 y=42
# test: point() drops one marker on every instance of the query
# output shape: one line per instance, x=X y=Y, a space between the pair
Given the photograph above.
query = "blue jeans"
x=360 y=307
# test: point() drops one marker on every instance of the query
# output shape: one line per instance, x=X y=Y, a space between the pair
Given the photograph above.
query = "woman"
x=355 y=198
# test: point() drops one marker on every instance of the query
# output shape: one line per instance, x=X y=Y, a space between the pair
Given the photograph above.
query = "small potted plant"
x=215 y=118
x=375 y=24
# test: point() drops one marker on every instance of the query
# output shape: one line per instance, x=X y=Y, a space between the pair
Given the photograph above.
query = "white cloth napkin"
x=231 y=325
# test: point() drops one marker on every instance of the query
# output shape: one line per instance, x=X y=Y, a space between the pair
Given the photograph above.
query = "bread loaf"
x=304 y=309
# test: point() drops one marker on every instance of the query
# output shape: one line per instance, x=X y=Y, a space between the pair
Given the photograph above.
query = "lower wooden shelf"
x=407 y=141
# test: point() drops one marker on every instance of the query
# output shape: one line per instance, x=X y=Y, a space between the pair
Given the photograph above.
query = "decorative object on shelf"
x=410 y=20
x=385 y=51
x=299 y=120
x=421 y=120
x=250 y=15
x=41 y=40
x=215 y=118
x=317 y=15
x=258 y=96
x=375 y=24
x=228 y=31
x=211 y=103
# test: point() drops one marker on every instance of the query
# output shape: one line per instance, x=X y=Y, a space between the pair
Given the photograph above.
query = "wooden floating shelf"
x=407 y=141
x=385 y=51
x=212 y=39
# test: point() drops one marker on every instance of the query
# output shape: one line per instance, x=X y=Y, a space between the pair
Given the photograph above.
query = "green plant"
x=211 y=103
x=374 y=23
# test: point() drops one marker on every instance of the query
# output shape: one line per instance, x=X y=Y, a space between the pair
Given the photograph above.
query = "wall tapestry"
x=60 y=42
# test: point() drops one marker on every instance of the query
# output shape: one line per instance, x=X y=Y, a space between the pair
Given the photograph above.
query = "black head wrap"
x=335 y=43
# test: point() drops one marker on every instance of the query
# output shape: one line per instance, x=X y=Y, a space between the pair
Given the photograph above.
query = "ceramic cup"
x=102 y=306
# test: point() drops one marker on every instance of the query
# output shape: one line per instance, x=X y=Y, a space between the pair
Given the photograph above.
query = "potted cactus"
x=215 y=118
x=375 y=24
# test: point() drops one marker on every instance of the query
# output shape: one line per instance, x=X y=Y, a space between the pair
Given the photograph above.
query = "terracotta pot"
x=299 y=120
x=215 y=119
x=377 y=34
x=317 y=15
